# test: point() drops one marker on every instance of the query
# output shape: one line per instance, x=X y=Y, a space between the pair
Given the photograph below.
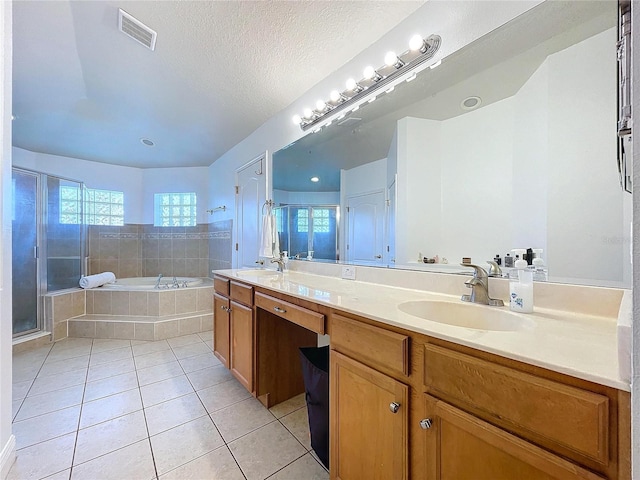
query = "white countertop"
x=576 y=344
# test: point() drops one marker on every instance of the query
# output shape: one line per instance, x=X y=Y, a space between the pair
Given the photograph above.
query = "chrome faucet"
x=479 y=286
x=279 y=261
x=494 y=269
x=176 y=284
x=158 y=281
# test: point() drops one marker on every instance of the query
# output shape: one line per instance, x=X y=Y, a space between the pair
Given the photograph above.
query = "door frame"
x=347 y=231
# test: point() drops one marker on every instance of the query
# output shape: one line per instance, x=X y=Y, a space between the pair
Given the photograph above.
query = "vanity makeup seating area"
x=416 y=398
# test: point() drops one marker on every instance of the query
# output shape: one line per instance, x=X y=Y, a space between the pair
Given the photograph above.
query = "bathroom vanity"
x=526 y=397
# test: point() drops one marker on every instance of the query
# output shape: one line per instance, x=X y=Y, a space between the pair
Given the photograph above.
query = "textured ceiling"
x=220 y=69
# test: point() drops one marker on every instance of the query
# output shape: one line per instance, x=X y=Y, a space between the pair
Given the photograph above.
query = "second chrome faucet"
x=479 y=286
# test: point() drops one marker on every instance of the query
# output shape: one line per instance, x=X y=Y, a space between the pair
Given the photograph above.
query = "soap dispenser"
x=521 y=285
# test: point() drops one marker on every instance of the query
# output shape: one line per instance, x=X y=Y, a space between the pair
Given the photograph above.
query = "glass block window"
x=302 y=215
x=174 y=209
x=320 y=220
x=101 y=207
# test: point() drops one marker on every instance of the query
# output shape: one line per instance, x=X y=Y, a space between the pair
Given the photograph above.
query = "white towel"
x=93 y=281
x=269 y=244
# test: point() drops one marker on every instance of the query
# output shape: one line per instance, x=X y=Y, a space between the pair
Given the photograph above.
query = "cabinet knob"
x=425 y=423
x=279 y=310
x=394 y=407
x=222 y=307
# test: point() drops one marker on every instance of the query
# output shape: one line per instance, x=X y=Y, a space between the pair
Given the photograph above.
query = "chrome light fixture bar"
x=397 y=68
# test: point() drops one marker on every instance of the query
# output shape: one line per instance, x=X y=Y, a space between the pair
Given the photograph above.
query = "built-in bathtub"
x=151 y=283
x=132 y=308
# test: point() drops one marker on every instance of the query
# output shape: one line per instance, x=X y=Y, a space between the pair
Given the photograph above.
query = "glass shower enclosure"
x=48 y=242
x=308 y=230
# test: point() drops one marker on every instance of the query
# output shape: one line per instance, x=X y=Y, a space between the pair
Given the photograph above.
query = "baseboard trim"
x=7 y=457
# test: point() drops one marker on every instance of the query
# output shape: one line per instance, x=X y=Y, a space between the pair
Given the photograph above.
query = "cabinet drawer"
x=564 y=418
x=242 y=293
x=221 y=285
x=373 y=345
x=301 y=316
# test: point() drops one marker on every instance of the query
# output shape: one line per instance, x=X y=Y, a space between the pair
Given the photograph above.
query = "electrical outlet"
x=349 y=272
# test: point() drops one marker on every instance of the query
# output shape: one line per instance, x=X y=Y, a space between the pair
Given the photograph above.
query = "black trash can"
x=315 y=371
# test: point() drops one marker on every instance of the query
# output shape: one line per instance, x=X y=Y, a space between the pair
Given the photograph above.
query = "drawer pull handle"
x=425 y=423
x=394 y=407
x=279 y=310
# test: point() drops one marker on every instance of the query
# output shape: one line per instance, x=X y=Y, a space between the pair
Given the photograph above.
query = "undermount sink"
x=257 y=273
x=468 y=315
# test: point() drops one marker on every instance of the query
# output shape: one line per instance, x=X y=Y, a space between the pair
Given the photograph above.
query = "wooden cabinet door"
x=221 y=328
x=462 y=447
x=368 y=439
x=241 y=358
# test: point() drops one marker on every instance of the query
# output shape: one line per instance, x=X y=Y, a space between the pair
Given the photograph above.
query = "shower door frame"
x=42 y=215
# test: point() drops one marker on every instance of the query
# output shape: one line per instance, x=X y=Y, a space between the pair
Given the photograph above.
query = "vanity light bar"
x=397 y=68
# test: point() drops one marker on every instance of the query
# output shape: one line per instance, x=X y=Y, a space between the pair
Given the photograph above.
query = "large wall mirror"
x=509 y=143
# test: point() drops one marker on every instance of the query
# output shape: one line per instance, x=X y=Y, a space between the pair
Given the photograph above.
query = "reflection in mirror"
x=308 y=231
x=428 y=171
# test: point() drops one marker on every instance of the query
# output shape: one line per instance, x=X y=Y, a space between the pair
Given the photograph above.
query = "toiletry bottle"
x=521 y=286
x=508 y=261
x=540 y=272
x=497 y=259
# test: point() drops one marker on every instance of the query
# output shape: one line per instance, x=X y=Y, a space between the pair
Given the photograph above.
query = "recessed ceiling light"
x=470 y=103
x=147 y=142
x=314 y=179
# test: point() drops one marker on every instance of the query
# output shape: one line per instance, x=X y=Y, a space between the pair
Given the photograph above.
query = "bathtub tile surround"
x=137 y=250
x=146 y=413
x=130 y=315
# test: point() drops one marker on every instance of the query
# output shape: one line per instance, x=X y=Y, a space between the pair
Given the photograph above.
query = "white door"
x=251 y=187
x=365 y=224
x=390 y=234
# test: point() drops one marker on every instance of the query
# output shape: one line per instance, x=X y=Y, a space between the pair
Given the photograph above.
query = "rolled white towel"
x=97 y=280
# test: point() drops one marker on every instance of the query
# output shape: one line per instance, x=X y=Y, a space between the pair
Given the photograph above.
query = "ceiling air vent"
x=136 y=29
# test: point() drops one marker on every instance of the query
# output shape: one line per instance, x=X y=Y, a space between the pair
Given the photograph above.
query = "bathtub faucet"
x=175 y=283
x=158 y=282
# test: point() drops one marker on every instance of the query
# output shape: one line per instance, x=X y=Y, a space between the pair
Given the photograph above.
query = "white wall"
x=306 y=198
x=458 y=23
x=139 y=185
x=7 y=440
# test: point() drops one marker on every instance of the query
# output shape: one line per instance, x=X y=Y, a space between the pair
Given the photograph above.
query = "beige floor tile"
x=110 y=356
x=25 y=374
x=69 y=343
x=184 y=443
x=217 y=464
x=109 y=436
x=104 y=344
x=209 y=344
x=155 y=358
x=145 y=348
x=288 y=406
x=71 y=352
x=206 y=336
x=198 y=362
x=133 y=462
x=306 y=467
x=63 y=475
x=43 y=459
x=31 y=357
x=191 y=350
x=241 y=418
x=58 y=381
x=63 y=366
x=110 y=407
x=111 y=369
x=184 y=340
x=45 y=427
x=160 y=372
x=165 y=390
x=35 y=405
x=222 y=395
x=110 y=386
x=207 y=377
x=20 y=389
x=315 y=456
x=15 y=406
x=172 y=413
x=298 y=424
x=265 y=451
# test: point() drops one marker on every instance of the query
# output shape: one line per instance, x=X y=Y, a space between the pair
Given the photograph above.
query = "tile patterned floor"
x=120 y=409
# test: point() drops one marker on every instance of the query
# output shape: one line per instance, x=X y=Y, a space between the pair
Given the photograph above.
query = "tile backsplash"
x=135 y=250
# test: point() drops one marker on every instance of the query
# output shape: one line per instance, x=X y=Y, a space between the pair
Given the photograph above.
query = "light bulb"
x=335 y=96
x=390 y=59
x=369 y=72
x=320 y=105
x=297 y=119
x=416 y=43
x=351 y=84
x=314 y=179
x=307 y=113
